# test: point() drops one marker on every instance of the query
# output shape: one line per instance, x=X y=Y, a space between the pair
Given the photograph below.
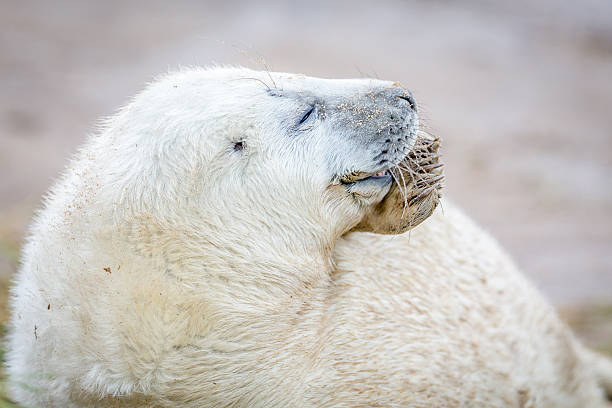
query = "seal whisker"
x=254 y=79
x=402 y=190
x=429 y=181
x=424 y=193
x=404 y=193
x=414 y=174
x=432 y=166
x=263 y=62
x=392 y=172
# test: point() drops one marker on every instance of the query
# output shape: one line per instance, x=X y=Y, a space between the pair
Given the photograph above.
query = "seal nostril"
x=410 y=100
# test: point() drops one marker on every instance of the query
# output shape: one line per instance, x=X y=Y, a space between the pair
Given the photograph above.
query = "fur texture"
x=196 y=254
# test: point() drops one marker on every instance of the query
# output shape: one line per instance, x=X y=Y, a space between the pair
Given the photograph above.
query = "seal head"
x=380 y=158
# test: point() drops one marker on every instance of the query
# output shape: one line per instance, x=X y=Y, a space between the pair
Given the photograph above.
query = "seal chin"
x=369 y=189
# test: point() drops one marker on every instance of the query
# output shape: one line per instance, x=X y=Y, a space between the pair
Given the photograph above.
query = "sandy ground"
x=521 y=93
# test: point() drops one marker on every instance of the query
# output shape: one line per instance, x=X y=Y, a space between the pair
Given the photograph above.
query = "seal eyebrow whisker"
x=263 y=62
x=255 y=79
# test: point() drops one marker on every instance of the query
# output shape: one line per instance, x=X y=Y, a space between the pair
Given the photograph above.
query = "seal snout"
x=398 y=124
x=383 y=121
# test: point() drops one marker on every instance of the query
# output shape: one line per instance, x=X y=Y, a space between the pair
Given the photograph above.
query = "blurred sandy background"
x=520 y=91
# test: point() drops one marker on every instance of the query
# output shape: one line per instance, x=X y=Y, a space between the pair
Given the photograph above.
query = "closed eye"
x=307 y=115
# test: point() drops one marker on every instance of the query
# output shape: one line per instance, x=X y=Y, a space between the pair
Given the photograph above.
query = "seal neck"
x=238 y=260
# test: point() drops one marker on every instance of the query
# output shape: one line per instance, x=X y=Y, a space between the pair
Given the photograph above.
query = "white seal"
x=207 y=249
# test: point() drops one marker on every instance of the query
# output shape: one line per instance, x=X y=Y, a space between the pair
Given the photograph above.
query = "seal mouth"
x=357 y=176
x=367 y=186
x=417 y=174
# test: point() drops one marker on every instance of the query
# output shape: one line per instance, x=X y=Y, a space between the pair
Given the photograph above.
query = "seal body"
x=213 y=246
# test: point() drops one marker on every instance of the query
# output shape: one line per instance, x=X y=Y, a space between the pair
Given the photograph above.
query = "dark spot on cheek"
x=239 y=146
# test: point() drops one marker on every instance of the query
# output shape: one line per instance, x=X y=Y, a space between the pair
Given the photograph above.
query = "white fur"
x=167 y=269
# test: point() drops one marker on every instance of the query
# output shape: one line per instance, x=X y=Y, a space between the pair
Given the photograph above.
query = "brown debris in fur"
x=415 y=193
